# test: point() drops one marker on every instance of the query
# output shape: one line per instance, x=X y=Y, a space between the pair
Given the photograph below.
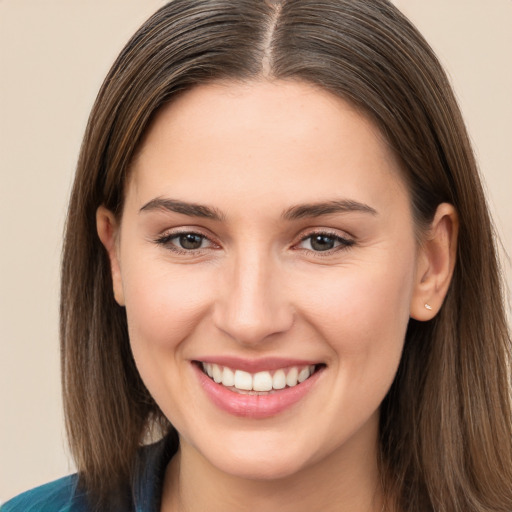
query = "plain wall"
x=53 y=57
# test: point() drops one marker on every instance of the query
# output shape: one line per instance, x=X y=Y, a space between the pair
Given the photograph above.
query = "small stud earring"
x=428 y=306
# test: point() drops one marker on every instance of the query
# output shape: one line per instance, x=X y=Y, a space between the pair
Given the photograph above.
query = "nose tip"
x=253 y=307
x=254 y=327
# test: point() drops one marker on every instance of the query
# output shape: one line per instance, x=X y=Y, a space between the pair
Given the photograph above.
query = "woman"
x=279 y=258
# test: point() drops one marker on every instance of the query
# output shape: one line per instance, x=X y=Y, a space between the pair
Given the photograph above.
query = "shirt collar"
x=149 y=473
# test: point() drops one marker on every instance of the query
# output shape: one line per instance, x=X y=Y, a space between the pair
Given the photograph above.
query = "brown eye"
x=185 y=242
x=190 y=241
x=322 y=242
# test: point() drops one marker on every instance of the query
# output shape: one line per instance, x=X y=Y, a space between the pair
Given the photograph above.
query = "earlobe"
x=435 y=264
x=107 y=227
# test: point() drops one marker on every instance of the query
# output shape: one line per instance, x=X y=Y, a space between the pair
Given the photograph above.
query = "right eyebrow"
x=190 y=209
x=302 y=211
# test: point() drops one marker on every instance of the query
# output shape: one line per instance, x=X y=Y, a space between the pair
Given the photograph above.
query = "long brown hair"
x=445 y=438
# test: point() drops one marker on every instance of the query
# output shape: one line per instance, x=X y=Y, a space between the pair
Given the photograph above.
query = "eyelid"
x=345 y=241
x=164 y=240
x=335 y=233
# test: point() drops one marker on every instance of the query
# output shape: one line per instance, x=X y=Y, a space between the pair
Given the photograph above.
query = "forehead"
x=236 y=139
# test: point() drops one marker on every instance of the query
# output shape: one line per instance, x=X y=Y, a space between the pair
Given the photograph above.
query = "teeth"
x=217 y=373
x=228 y=377
x=243 y=380
x=261 y=381
x=279 y=380
x=291 y=378
x=303 y=375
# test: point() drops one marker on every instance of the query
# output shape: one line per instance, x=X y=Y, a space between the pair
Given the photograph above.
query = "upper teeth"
x=261 y=381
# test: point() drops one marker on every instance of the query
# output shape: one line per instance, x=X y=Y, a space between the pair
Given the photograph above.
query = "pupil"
x=322 y=243
x=190 y=241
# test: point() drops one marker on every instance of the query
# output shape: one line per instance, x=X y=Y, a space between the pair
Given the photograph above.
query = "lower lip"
x=255 y=406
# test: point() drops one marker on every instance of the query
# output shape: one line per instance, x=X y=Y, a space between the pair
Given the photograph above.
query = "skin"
x=257 y=287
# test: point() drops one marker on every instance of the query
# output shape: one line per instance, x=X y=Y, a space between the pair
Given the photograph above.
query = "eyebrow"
x=300 y=211
x=190 y=209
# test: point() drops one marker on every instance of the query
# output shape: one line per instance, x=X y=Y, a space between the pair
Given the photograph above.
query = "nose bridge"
x=253 y=305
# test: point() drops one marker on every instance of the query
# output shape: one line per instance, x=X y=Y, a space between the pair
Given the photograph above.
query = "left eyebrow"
x=302 y=211
x=190 y=209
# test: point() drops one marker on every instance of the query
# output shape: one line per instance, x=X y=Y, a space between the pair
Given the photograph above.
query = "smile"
x=244 y=382
x=266 y=391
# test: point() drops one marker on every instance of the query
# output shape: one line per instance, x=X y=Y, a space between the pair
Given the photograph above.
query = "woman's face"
x=267 y=239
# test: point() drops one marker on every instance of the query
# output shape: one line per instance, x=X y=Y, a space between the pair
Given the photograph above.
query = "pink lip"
x=256 y=365
x=254 y=406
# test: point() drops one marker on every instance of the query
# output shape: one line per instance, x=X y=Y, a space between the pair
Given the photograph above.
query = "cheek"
x=363 y=318
x=164 y=306
x=163 y=302
x=362 y=311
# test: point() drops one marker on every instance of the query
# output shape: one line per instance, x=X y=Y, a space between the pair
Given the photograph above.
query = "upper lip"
x=256 y=365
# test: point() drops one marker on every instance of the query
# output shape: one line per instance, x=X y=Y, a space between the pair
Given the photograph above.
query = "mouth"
x=258 y=383
x=262 y=389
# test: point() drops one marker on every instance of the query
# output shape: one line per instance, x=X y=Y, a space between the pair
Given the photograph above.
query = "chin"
x=257 y=459
x=268 y=468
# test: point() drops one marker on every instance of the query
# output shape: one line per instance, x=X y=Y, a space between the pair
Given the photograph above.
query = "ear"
x=108 y=231
x=435 y=263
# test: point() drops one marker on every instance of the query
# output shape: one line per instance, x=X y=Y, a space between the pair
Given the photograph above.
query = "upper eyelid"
x=170 y=232
x=323 y=232
x=176 y=234
x=343 y=235
x=167 y=241
x=345 y=242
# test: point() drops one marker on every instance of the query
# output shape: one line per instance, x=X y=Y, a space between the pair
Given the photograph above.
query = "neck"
x=346 y=480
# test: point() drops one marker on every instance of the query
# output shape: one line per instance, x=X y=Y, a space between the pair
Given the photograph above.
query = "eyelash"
x=166 y=241
x=344 y=243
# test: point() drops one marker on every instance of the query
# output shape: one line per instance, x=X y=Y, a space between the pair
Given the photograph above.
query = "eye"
x=323 y=242
x=189 y=241
x=185 y=242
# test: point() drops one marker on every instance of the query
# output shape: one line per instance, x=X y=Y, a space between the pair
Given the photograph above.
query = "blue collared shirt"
x=63 y=495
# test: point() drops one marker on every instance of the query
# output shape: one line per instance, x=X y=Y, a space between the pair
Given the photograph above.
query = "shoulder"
x=144 y=493
x=57 y=496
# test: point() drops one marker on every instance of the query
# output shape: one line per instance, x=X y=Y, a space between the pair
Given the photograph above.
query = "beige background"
x=54 y=55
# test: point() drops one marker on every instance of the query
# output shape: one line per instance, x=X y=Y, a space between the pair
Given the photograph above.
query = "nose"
x=252 y=304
